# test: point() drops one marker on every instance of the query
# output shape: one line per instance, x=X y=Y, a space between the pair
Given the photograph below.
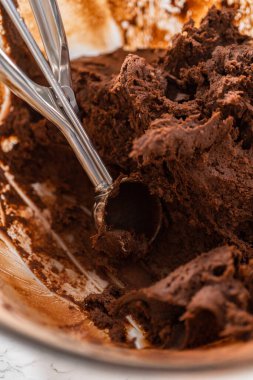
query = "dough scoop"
x=124 y=204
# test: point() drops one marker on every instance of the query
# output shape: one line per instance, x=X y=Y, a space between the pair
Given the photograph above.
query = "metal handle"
x=54 y=39
x=91 y=162
x=42 y=100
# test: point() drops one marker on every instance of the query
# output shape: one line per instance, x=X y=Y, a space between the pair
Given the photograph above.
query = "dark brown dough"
x=180 y=120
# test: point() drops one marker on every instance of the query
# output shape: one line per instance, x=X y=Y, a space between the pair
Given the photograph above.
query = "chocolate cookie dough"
x=181 y=121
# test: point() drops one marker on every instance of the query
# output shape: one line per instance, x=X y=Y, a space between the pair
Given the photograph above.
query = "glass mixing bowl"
x=27 y=305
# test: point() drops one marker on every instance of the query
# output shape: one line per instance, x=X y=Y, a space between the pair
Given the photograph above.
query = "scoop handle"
x=42 y=100
x=91 y=161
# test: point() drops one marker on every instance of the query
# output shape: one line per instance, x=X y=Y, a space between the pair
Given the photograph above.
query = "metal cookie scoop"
x=125 y=205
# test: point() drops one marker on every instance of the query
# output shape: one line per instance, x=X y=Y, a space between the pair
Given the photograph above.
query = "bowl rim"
x=229 y=355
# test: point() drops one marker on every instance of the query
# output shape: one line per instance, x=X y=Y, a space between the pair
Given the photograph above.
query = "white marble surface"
x=22 y=360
